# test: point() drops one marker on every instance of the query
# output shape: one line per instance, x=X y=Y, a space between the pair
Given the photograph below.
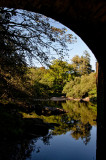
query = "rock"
x=70 y=98
x=86 y=99
x=52 y=111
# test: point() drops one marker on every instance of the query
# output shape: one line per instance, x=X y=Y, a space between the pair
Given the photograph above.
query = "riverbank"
x=87 y=99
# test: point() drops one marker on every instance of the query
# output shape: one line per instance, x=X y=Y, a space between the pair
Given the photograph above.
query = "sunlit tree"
x=58 y=74
x=82 y=64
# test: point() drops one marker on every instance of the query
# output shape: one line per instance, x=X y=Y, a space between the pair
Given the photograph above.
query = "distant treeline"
x=75 y=79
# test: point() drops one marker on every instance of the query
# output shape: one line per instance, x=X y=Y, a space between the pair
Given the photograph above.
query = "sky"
x=78 y=47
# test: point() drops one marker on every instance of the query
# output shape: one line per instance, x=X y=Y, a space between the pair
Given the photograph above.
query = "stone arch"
x=87 y=18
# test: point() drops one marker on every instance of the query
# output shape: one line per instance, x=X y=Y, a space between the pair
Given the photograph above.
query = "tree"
x=87 y=68
x=29 y=35
x=36 y=88
x=58 y=74
x=81 y=64
x=81 y=87
x=25 y=36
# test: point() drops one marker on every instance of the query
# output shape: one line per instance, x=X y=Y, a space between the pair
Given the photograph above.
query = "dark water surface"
x=74 y=138
x=55 y=136
x=65 y=147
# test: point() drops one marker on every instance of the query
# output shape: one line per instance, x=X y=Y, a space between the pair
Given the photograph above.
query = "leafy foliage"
x=59 y=79
x=79 y=119
x=58 y=74
x=81 y=87
x=81 y=65
x=29 y=35
x=25 y=36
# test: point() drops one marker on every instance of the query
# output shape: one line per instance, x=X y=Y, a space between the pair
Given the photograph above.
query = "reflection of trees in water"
x=78 y=120
x=78 y=129
x=18 y=136
x=46 y=139
x=22 y=149
x=82 y=118
x=14 y=150
x=81 y=111
x=82 y=131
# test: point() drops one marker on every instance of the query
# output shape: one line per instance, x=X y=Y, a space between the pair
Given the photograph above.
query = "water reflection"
x=41 y=130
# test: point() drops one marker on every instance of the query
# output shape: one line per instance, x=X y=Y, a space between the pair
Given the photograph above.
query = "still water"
x=73 y=135
x=65 y=147
x=50 y=131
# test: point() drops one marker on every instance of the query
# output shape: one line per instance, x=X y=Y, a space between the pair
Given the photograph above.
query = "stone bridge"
x=87 y=18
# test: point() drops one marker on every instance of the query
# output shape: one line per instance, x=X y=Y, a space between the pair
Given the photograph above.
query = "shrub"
x=81 y=87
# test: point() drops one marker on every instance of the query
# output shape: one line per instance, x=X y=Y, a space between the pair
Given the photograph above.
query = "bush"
x=81 y=87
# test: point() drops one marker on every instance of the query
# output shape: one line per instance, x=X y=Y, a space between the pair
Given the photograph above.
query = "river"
x=71 y=135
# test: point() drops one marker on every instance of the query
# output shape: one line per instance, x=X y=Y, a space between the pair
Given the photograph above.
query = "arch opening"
x=87 y=126
x=92 y=17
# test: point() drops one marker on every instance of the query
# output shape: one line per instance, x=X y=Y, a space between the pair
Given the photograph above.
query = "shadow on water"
x=22 y=128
